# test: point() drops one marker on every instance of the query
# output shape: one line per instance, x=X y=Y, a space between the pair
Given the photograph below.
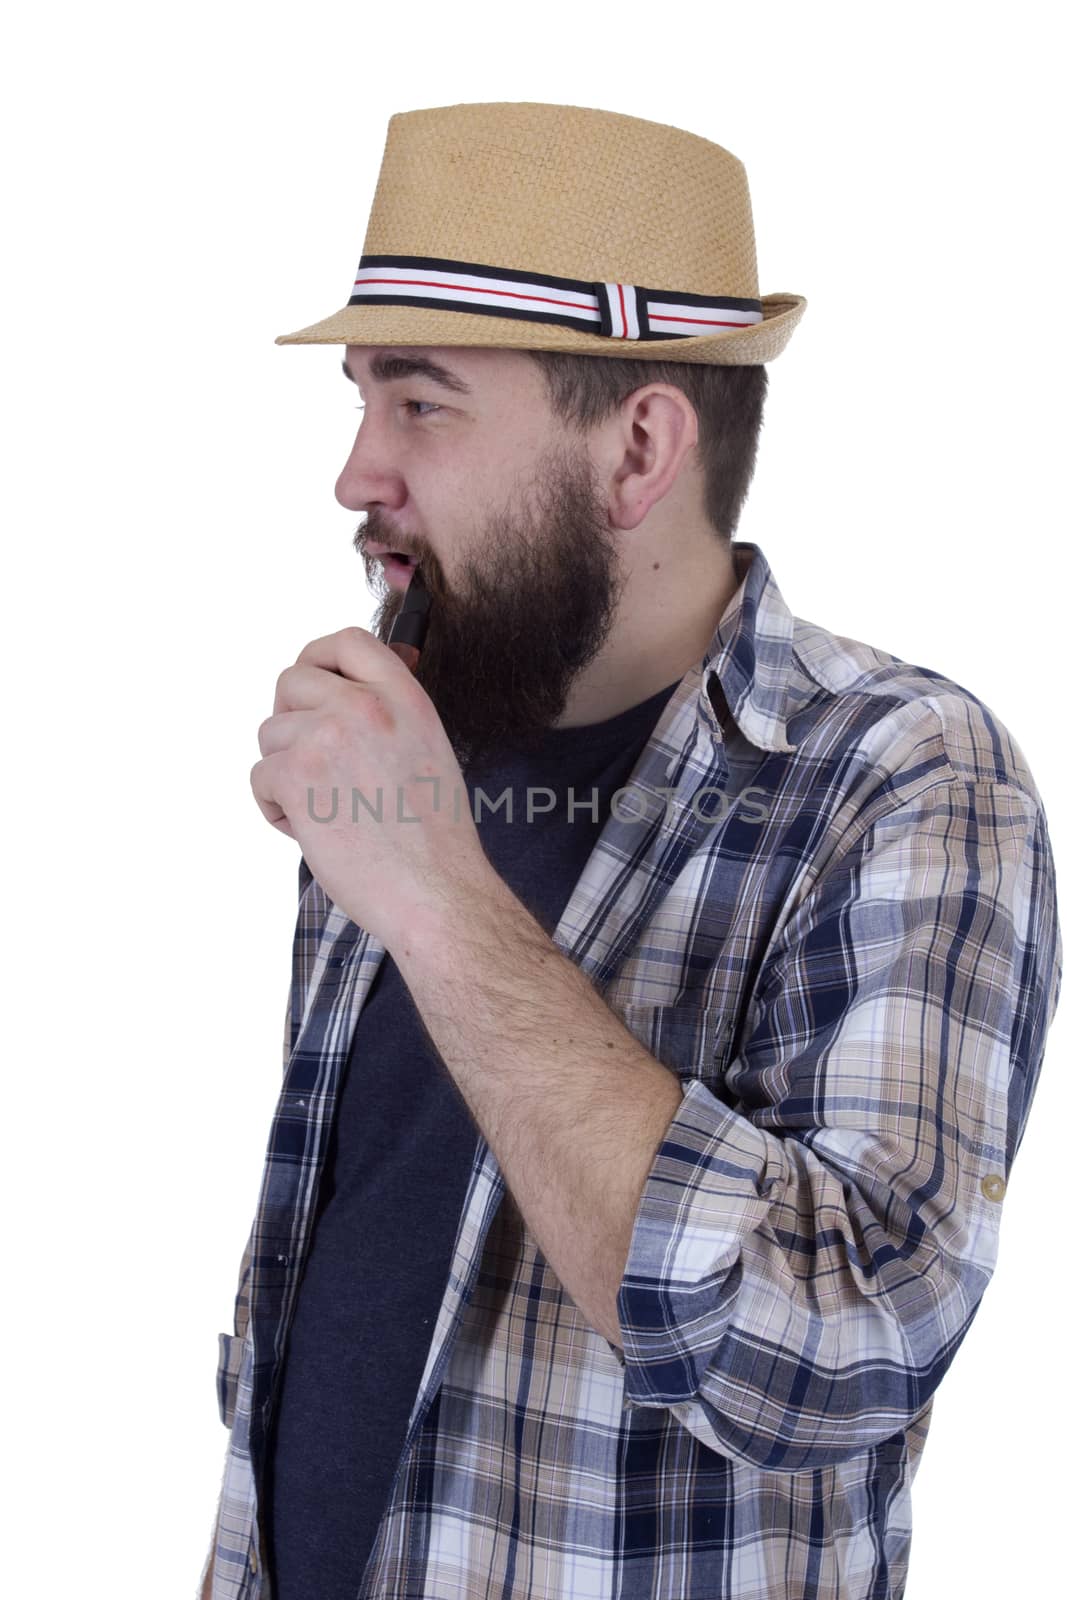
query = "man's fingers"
x=354 y=654
x=282 y=730
x=302 y=687
x=261 y=778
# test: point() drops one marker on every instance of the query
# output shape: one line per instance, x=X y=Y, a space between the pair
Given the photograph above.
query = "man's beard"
x=527 y=610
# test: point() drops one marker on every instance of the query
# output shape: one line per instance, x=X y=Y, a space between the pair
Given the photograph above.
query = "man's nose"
x=368 y=476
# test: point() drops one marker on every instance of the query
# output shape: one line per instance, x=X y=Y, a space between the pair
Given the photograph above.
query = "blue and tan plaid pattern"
x=829 y=904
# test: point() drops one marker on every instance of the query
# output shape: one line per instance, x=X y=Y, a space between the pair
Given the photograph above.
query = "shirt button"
x=993 y=1186
x=252 y=1559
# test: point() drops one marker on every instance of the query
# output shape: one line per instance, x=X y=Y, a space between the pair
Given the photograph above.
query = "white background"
x=182 y=185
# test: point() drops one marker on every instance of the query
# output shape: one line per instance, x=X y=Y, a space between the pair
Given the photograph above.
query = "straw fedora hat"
x=545 y=227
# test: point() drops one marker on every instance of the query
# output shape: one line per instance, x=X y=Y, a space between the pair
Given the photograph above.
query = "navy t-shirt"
x=396 y=1171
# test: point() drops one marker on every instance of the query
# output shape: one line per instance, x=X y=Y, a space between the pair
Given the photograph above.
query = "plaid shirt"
x=850 y=953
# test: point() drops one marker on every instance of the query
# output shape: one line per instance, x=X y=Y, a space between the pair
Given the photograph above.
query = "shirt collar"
x=751 y=653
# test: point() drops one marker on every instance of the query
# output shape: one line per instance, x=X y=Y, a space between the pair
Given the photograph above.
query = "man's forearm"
x=572 y=1106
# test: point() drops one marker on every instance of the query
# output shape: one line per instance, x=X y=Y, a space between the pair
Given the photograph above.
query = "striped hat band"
x=616 y=310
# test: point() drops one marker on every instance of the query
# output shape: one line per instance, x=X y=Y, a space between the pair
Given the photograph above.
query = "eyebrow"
x=387 y=368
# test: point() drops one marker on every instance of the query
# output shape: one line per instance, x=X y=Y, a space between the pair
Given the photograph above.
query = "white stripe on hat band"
x=693 y=318
x=490 y=291
x=402 y=279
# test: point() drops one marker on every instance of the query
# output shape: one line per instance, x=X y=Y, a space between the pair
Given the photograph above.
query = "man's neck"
x=664 y=625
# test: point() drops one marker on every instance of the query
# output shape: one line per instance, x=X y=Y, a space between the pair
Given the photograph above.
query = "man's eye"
x=407 y=403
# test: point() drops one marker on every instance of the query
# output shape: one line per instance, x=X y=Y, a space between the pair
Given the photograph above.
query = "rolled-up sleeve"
x=231 y=1345
x=805 y=1261
x=227 y=1371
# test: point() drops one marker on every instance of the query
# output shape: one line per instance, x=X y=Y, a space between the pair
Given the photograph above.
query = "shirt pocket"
x=688 y=1038
x=231 y=1354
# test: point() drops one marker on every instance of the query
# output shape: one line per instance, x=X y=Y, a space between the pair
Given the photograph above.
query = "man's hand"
x=359 y=770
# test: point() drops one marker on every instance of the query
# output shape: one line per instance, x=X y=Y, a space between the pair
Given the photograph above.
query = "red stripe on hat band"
x=466 y=288
x=710 y=322
x=622 y=310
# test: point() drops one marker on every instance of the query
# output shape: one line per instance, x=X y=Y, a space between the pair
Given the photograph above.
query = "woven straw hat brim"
x=416 y=325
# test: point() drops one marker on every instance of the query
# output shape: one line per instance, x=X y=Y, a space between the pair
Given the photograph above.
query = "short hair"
x=728 y=401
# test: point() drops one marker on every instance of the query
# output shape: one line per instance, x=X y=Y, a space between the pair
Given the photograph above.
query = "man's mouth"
x=397 y=569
